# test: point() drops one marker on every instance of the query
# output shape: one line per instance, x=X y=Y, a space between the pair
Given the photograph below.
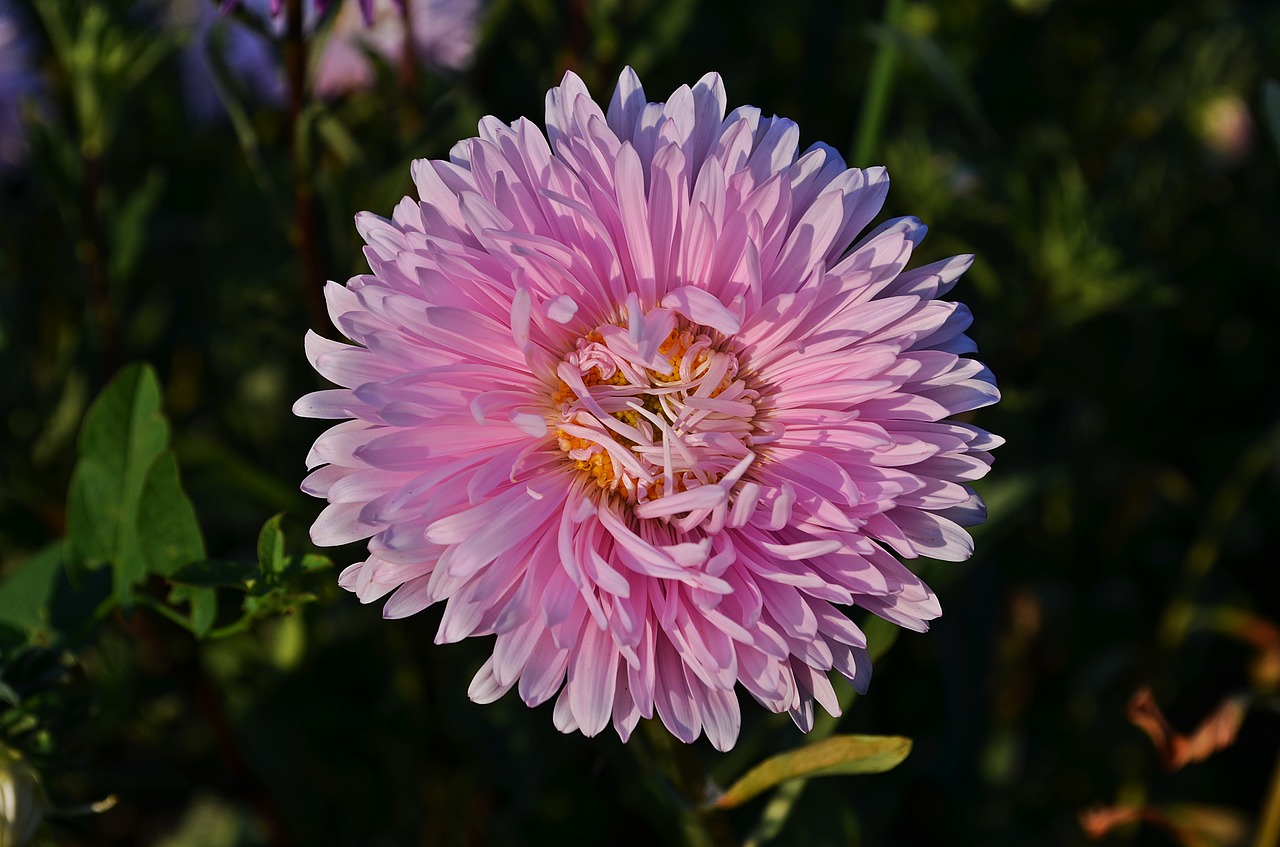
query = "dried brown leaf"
x=1190 y=825
x=1097 y=821
x=1218 y=731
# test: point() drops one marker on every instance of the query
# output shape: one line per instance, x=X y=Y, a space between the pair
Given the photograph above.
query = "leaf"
x=167 y=531
x=1216 y=732
x=309 y=562
x=214 y=573
x=126 y=507
x=204 y=608
x=25 y=593
x=840 y=754
x=881 y=635
x=1190 y=825
x=129 y=225
x=271 y=548
x=1254 y=630
x=122 y=435
x=945 y=75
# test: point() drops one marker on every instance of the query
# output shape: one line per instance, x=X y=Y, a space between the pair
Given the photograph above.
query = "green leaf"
x=122 y=435
x=881 y=635
x=212 y=573
x=126 y=507
x=129 y=225
x=167 y=531
x=204 y=608
x=309 y=562
x=25 y=593
x=840 y=754
x=271 y=548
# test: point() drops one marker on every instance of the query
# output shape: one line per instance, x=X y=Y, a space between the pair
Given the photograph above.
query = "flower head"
x=22 y=803
x=631 y=402
x=19 y=82
x=246 y=55
x=441 y=35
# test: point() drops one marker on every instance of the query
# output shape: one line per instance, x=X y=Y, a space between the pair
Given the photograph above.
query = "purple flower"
x=442 y=34
x=318 y=6
x=631 y=402
x=246 y=56
x=19 y=83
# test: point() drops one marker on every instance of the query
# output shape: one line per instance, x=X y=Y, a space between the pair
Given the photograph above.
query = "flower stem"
x=1269 y=818
x=879 y=85
x=92 y=252
x=703 y=825
x=295 y=61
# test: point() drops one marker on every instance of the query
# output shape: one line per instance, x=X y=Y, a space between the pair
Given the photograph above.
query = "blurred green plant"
x=127 y=513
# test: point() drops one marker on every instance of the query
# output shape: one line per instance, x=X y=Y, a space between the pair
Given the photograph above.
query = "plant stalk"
x=879 y=86
x=304 y=207
x=702 y=823
x=1269 y=818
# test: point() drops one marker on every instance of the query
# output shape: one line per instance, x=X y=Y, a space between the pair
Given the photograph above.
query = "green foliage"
x=838 y=755
x=42 y=693
x=25 y=594
x=269 y=586
x=125 y=507
x=1113 y=167
x=105 y=60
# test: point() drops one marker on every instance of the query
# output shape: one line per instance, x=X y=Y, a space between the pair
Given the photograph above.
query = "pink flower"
x=441 y=34
x=631 y=403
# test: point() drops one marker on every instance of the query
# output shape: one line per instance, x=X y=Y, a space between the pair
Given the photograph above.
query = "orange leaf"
x=1218 y=731
x=1190 y=825
x=1099 y=820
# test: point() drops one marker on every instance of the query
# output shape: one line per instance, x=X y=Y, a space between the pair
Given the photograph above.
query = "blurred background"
x=175 y=184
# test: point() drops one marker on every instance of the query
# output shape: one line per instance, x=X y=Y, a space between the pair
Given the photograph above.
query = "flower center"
x=649 y=426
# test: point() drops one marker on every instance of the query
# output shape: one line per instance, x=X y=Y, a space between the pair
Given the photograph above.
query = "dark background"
x=1110 y=165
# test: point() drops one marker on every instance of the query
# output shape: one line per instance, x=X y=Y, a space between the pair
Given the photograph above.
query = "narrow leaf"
x=840 y=754
x=271 y=547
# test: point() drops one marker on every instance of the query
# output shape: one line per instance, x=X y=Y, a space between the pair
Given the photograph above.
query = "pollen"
x=672 y=439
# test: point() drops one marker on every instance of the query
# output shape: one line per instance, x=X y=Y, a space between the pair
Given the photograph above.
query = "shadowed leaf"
x=213 y=573
x=25 y=593
x=126 y=506
x=168 y=533
x=123 y=433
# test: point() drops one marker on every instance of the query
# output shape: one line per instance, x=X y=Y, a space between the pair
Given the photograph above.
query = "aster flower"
x=631 y=402
x=18 y=83
x=440 y=33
